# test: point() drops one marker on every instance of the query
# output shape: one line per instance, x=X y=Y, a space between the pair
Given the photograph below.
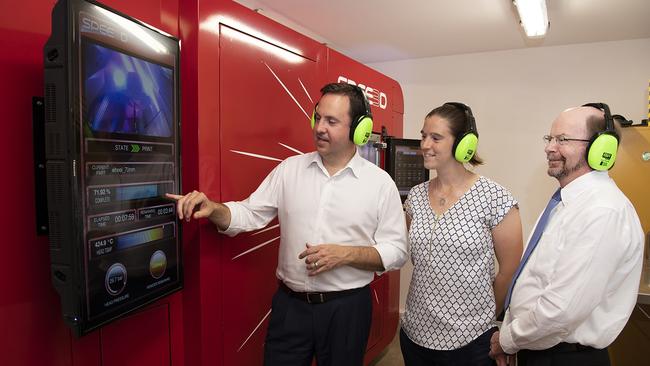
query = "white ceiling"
x=386 y=30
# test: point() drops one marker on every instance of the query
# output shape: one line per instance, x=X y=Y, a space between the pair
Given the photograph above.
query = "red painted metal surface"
x=240 y=74
x=149 y=344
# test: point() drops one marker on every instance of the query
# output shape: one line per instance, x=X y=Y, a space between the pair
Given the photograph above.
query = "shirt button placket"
x=320 y=224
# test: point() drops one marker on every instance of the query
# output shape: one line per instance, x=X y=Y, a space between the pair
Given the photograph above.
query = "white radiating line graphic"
x=254 y=330
x=256 y=248
x=287 y=90
x=376 y=297
x=256 y=155
x=267 y=229
x=306 y=92
x=291 y=148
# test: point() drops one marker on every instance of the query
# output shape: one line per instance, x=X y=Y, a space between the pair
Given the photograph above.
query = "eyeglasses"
x=560 y=140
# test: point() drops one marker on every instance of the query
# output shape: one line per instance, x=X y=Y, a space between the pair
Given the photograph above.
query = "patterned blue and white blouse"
x=451 y=300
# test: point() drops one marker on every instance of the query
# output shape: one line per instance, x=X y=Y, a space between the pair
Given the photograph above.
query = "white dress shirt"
x=581 y=282
x=357 y=206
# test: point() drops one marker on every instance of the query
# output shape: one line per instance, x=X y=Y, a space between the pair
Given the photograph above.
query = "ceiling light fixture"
x=533 y=17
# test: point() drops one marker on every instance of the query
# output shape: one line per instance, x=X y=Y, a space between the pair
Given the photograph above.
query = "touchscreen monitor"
x=112 y=151
x=405 y=164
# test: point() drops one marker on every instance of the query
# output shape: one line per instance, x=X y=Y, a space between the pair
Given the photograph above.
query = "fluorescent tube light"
x=533 y=17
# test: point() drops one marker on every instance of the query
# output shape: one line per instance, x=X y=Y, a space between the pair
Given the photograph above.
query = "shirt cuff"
x=505 y=337
x=391 y=257
x=232 y=230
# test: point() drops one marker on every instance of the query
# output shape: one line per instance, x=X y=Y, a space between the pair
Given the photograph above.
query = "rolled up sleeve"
x=391 y=235
x=588 y=269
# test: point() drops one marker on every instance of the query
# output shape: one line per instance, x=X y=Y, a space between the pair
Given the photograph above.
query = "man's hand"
x=324 y=257
x=185 y=205
x=197 y=205
x=504 y=360
x=497 y=353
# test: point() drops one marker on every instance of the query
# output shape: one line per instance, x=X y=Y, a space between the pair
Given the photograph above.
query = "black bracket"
x=40 y=184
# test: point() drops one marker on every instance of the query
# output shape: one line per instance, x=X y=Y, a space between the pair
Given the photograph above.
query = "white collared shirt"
x=581 y=282
x=359 y=205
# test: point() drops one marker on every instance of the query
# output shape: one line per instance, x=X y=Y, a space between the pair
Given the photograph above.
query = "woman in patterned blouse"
x=458 y=222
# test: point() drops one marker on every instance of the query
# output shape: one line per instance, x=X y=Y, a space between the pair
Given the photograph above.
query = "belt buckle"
x=318 y=299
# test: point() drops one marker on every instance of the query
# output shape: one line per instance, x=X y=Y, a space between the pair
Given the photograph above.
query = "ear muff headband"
x=361 y=127
x=602 y=148
x=622 y=120
x=465 y=144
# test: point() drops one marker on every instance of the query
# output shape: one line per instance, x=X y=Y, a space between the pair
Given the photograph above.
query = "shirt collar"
x=354 y=165
x=581 y=184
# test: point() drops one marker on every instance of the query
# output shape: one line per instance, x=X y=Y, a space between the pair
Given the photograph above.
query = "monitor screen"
x=130 y=155
x=125 y=94
x=112 y=152
x=405 y=164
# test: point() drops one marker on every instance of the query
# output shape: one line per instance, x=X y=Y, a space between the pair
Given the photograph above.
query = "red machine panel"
x=149 y=346
x=267 y=96
x=384 y=94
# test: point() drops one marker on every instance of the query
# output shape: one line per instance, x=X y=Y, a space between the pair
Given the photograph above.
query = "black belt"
x=564 y=347
x=572 y=347
x=318 y=297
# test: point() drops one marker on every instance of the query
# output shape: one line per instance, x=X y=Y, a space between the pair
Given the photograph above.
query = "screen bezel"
x=69 y=252
x=117 y=28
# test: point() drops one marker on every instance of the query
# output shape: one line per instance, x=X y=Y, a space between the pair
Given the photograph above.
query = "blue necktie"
x=539 y=229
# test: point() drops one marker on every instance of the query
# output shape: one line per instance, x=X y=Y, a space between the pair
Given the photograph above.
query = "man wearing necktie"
x=578 y=279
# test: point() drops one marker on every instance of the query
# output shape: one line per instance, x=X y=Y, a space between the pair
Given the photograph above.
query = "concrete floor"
x=392 y=355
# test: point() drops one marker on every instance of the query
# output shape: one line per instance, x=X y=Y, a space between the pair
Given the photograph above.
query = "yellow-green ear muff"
x=361 y=127
x=466 y=143
x=601 y=153
x=466 y=147
x=362 y=131
x=602 y=148
x=313 y=118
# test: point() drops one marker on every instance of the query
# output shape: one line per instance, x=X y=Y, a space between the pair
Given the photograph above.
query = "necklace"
x=442 y=199
x=438 y=195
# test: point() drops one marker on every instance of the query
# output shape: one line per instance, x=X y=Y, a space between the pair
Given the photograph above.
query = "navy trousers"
x=335 y=332
x=473 y=354
x=564 y=354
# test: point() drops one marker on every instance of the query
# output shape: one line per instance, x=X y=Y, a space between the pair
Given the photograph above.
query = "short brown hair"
x=354 y=94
